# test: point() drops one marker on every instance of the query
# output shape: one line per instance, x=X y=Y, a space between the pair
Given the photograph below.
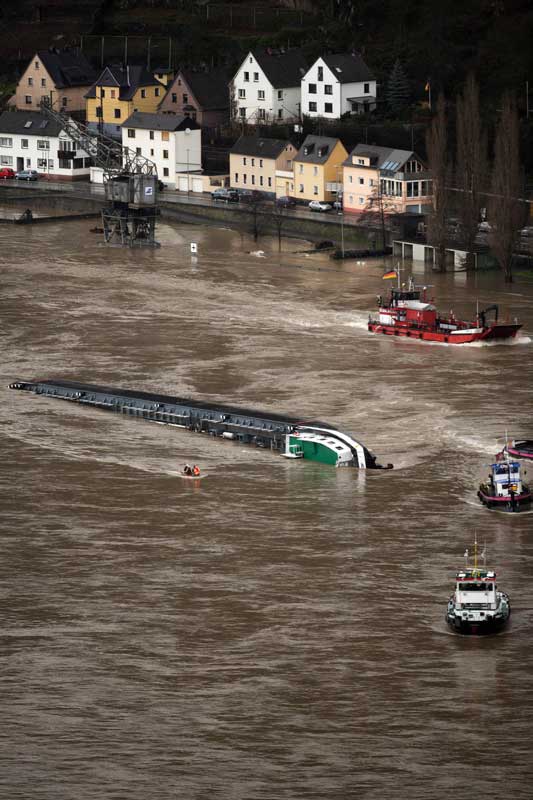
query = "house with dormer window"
x=30 y=140
x=336 y=85
x=397 y=180
x=266 y=87
x=318 y=168
x=256 y=161
x=117 y=93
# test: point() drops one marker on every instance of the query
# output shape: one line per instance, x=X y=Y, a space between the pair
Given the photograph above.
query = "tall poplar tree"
x=439 y=166
x=506 y=211
x=398 y=90
x=471 y=167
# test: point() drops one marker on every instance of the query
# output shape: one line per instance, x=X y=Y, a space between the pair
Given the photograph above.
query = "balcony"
x=66 y=155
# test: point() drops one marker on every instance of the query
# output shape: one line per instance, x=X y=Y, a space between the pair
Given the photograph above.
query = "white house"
x=29 y=140
x=173 y=142
x=266 y=87
x=337 y=85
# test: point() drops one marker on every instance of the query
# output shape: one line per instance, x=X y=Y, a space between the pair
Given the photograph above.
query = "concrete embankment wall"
x=314 y=230
x=47 y=206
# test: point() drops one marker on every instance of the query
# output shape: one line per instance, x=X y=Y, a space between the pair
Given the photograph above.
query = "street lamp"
x=339 y=167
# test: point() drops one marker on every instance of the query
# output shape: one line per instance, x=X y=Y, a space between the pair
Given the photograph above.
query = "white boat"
x=477 y=606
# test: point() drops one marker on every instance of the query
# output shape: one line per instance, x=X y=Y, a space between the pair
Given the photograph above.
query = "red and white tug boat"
x=504 y=490
x=409 y=313
x=522 y=448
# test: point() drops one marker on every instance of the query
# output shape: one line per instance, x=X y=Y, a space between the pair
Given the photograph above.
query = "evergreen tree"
x=398 y=91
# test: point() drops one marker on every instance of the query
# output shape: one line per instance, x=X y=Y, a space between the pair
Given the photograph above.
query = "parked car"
x=526 y=232
x=27 y=175
x=285 y=202
x=228 y=195
x=7 y=172
x=319 y=205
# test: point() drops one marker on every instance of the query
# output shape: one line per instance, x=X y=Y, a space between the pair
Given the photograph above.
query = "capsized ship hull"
x=248 y=426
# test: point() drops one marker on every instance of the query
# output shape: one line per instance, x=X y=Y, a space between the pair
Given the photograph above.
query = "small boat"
x=477 y=606
x=522 y=448
x=504 y=490
x=409 y=313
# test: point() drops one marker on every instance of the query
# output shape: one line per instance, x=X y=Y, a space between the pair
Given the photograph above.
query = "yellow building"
x=255 y=162
x=318 y=168
x=118 y=92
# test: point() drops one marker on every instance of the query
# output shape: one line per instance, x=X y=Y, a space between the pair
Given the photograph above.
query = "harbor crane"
x=130 y=183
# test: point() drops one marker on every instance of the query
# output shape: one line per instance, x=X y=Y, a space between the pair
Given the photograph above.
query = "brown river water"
x=275 y=632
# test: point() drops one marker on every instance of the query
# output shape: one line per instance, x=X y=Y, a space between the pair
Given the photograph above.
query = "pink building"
x=203 y=96
x=61 y=76
x=397 y=179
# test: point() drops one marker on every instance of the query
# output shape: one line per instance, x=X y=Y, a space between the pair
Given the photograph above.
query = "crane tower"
x=130 y=183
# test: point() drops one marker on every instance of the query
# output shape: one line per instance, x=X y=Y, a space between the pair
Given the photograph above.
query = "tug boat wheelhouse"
x=409 y=313
x=504 y=489
x=477 y=607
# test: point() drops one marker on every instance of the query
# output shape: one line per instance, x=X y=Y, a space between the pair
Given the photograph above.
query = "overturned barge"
x=291 y=436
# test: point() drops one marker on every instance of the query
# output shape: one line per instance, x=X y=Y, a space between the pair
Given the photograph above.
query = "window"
x=43 y=82
x=28 y=99
x=260 y=180
x=43 y=144
x=312 y=106
x=64 y=101
x=320 y=75
x=174 y=97
x=165 y=136
x=151 y=151
x=328 y=88
x=246 y=77
x=165 y=172
x=36 y=65
x=41 y=163
x=361 y=200
x=244 y=178
x=312 y=88
x=236 y=177
x=280 y=113
x=66 y=144
x=252 y=162
x=270 y=182
x=117 y=113
x=256 y=77
x=350 y=179
x=131 y=133
x=30 y=81
x=371 y=182
x=244 y=161
x=361 y=181
x=253 y=179
x=242 y=94
x=315 y=190
x=156 y=91
x=185 y=98
x=366 y=88
x=113 y=94
x=301 y=169
x=6 y=161
x=138 y=151
x=301 y=187
x=361 y=161
x=280 y=94
x=6 y=141
x=24 y=143
x=242 y=113
x=260 y=94
x=98 y=111
x=328 y=108
x=165 y=153
x=143 y=92
x=260 y=162
x=151 y=135
x=261 y=113
x=315 y=170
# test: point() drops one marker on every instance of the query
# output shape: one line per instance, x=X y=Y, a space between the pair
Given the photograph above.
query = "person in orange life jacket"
x=196 y=471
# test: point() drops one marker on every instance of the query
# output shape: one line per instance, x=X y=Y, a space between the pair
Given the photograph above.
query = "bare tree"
x=506 y=211
x=279 y=215
x=375 y=213
x=439 y=166
x=255 y=205
x=471 y=167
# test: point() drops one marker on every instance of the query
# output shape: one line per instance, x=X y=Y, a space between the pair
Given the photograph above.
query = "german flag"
x=390 y=275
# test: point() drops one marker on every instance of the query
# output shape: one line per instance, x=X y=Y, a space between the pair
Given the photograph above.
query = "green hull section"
x=314 y=451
